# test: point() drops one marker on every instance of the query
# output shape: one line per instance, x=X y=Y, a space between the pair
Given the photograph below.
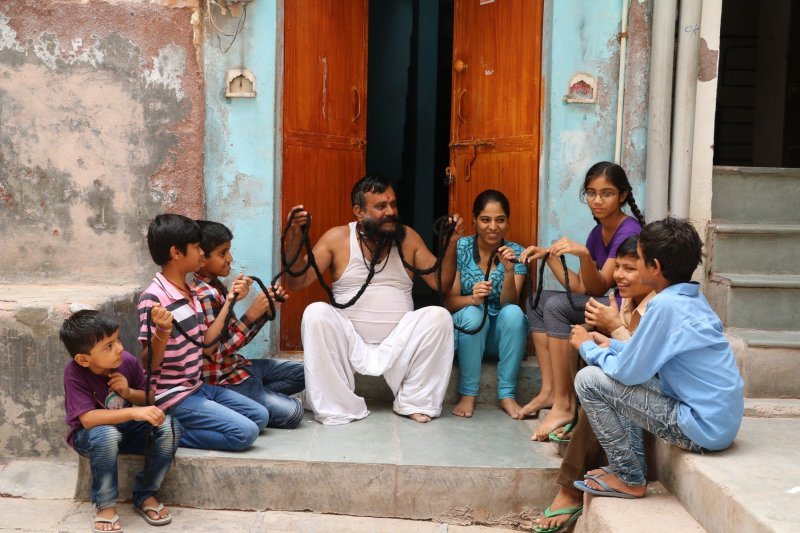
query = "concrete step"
x=375 y=389
x=772 y=407
x=658 y=512
x=768 y=360
x=480 y=470
x=756 y=301
x=752 y=486
x=754 y=195
x=754 y=248
x=32 y=358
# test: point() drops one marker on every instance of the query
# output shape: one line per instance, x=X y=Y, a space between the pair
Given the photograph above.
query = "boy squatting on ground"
x=104 y=398
x=212 y=417
x=583 y=451
x=270 y=382
x=676 y=377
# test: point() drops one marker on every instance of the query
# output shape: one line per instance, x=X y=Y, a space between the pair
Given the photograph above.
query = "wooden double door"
x=494 y=126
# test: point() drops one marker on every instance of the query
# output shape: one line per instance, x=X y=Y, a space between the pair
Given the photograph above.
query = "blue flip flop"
x=606 y=469
x=607 y=491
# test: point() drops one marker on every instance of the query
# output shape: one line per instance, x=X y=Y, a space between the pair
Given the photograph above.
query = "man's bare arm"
x=323 y=255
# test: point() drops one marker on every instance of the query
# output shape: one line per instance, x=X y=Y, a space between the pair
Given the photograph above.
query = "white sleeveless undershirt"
x=385 y=301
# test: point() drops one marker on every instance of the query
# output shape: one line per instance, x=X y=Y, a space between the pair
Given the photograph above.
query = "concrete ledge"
x=32 y=359
x=771 y=408
x=658 y=512
x=769 y=371
x=751 y=487
x=478 y=469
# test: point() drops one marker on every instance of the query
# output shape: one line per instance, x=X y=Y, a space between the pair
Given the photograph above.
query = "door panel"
x=324 y=123
x=494 y=132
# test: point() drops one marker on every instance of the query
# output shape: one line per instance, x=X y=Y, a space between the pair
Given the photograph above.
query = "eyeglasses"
x=605 y=195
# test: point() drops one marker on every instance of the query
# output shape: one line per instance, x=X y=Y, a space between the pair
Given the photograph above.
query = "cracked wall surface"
x=101 y=128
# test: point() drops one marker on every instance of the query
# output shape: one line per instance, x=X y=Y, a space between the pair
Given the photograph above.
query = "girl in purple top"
x=606 y=189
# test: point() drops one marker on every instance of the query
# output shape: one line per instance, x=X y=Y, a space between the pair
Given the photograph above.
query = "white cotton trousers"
x=415 y=359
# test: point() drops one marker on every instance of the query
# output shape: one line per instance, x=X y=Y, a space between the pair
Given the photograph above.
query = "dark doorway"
x=758 y=95
x=408 y=123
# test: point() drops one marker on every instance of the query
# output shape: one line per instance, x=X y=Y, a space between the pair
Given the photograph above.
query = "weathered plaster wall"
x=582 y=37
x=241 y=145
x=101 y=128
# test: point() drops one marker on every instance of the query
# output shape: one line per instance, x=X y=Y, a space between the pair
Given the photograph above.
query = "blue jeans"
x=618 y=413
x=102 y=444
x=271 y=383
x=503 y=334
x=214 y=418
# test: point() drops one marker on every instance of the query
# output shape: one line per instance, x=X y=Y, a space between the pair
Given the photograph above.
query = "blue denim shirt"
x=680 y=338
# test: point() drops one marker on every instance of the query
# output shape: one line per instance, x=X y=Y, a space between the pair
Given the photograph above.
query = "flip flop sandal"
x=554 y=436
x=607 y=491
x=113 y=520
x=153 y=521
x=574 y=513
x=606 y=469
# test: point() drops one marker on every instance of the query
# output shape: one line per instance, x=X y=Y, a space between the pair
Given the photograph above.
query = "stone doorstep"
x=769 y=362
x=752 y=486
x=658 y=512
x=482 y=470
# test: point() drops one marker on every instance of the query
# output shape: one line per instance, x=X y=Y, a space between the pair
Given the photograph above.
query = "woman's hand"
x=508 y=257
x=566 y=246
x=480 y=291
x=532 y=253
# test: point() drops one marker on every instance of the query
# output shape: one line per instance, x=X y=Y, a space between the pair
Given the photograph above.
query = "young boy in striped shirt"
x=211 y=417
x=270 y=382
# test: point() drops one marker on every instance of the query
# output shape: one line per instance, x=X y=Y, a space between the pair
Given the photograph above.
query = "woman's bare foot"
x=556 y=418
x=532 y=408
x=617 y=484
x=465 y=406
x=564 y=499
x=109 y=513
x=419 y=417
x=152 y=502
x=510 y=406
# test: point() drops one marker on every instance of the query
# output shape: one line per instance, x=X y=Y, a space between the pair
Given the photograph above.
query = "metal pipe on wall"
x=685 y=102
x=623 y=47
x=659 y=113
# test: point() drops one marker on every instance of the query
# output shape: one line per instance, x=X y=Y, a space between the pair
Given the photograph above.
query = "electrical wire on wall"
x=239 y=26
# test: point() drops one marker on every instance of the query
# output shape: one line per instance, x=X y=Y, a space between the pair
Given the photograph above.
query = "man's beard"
x=372 y=229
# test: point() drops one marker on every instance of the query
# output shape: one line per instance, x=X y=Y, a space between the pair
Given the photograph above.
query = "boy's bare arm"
x=110 y=417
x=162 y=320
x=118 y=383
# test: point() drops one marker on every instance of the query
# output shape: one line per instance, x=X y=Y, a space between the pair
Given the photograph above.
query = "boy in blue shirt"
x=107 y=414
x=676 y=377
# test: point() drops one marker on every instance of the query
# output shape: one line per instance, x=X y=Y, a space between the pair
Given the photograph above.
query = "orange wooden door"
x=494 y=126
x=324 y=123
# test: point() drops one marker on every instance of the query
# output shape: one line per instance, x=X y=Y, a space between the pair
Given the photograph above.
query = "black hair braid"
x=635 y=208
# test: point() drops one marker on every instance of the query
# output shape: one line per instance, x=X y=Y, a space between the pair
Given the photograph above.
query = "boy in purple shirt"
x=107 y=414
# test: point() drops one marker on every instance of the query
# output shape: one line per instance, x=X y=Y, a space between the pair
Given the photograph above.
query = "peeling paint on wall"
x=707 y=68
x=101 y=115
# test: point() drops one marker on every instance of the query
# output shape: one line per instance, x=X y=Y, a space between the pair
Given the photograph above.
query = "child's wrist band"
x=164 y=330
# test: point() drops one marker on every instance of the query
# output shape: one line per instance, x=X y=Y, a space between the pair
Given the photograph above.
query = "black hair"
x=628 y=247
x=490 y=195
x=676 y=245
x=616 y=175
x=214 y=234
x=170 y=230
x=371 y=183
x=83 y=329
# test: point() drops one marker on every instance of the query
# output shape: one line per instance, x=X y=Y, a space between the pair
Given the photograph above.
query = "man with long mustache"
x=380 y=334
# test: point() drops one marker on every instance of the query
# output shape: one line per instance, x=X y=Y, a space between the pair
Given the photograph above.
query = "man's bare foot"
x=532 y=408
x=152 y=502
x=617 y=484
x=556 y=418
x=465 y=407
x=419 y=417
x=564 y=499
x=109 y=513
x=598 y=472
x=510 y=406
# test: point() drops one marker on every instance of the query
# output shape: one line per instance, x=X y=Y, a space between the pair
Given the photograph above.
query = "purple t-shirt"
x=85 y=391
x=600 y=252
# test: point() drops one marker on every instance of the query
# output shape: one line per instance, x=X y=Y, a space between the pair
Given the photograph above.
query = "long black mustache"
x=371 y=228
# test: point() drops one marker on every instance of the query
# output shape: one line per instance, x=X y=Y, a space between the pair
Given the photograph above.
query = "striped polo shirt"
x=181 y=369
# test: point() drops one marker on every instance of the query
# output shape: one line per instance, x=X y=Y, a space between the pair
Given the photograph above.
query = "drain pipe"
x=623 y=47
x=685 y=102
x=659 y=111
